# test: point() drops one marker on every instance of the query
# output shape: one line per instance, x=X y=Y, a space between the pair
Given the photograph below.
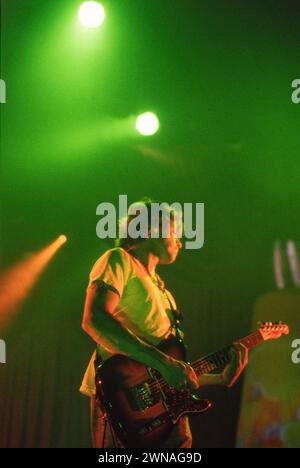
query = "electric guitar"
x=142 y=408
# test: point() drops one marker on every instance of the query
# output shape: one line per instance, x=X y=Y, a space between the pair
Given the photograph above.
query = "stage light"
x=17 y=282
x=62 y=239
x=147 y=124
x=91 y=14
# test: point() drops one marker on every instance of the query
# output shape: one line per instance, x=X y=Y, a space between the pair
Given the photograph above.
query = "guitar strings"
x=204 y=365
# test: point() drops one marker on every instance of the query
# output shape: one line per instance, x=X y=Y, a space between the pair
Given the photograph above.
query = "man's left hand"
x=238 y=361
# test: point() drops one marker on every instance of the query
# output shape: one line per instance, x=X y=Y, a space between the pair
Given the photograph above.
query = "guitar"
x=139 y=403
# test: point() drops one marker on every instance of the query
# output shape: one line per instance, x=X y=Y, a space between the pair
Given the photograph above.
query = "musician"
x=129 y=311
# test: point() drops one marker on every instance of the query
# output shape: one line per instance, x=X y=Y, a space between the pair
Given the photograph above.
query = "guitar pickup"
x=141 y=397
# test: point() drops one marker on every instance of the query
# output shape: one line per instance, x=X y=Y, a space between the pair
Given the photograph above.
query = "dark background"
x=218 y=74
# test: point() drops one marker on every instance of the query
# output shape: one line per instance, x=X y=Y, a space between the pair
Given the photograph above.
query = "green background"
x=218 y=75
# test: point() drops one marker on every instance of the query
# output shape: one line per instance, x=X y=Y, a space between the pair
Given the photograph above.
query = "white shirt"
x=143 y=308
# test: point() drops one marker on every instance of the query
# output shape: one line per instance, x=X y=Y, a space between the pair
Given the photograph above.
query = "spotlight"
x=91 y=14
x=62 y=239
x=17 y=282
x=147 y=124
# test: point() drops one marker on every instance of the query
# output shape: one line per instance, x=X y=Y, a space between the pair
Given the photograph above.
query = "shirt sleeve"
x=114 y=269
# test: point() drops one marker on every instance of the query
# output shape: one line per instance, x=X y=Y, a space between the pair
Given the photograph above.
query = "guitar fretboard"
x=219 y=359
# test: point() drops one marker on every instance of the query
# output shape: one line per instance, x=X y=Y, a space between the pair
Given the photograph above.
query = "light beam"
x=18 y=281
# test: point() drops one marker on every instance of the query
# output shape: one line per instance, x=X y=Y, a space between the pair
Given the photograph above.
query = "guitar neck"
x=219 y=359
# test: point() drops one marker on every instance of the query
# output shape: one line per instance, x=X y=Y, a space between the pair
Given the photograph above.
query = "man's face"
x=167 y=248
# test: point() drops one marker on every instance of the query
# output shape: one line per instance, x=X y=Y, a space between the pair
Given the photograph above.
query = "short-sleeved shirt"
x=143 y=308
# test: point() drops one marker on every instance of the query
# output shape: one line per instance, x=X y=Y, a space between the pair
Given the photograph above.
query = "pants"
x=104 y=437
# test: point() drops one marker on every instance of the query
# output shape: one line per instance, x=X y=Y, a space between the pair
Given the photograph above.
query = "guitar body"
x=140 y=405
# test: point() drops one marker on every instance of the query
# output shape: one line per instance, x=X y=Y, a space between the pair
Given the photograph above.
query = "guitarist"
x=128 y=311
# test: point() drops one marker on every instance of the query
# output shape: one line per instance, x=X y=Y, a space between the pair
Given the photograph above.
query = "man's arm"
x=99 y=323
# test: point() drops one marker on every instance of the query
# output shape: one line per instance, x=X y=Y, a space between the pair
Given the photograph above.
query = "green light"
x=91 y=14
x=147 y=124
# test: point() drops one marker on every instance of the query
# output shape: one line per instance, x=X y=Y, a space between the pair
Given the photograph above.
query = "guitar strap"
x=176 y=318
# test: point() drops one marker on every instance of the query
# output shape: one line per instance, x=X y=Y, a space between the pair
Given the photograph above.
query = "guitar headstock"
x=273 y=330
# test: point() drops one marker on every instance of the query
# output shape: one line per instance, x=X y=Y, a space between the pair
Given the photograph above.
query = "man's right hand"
x=179 y=374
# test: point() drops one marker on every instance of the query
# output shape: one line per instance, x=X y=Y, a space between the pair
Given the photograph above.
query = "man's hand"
x=236 y=365
x=179 y=374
